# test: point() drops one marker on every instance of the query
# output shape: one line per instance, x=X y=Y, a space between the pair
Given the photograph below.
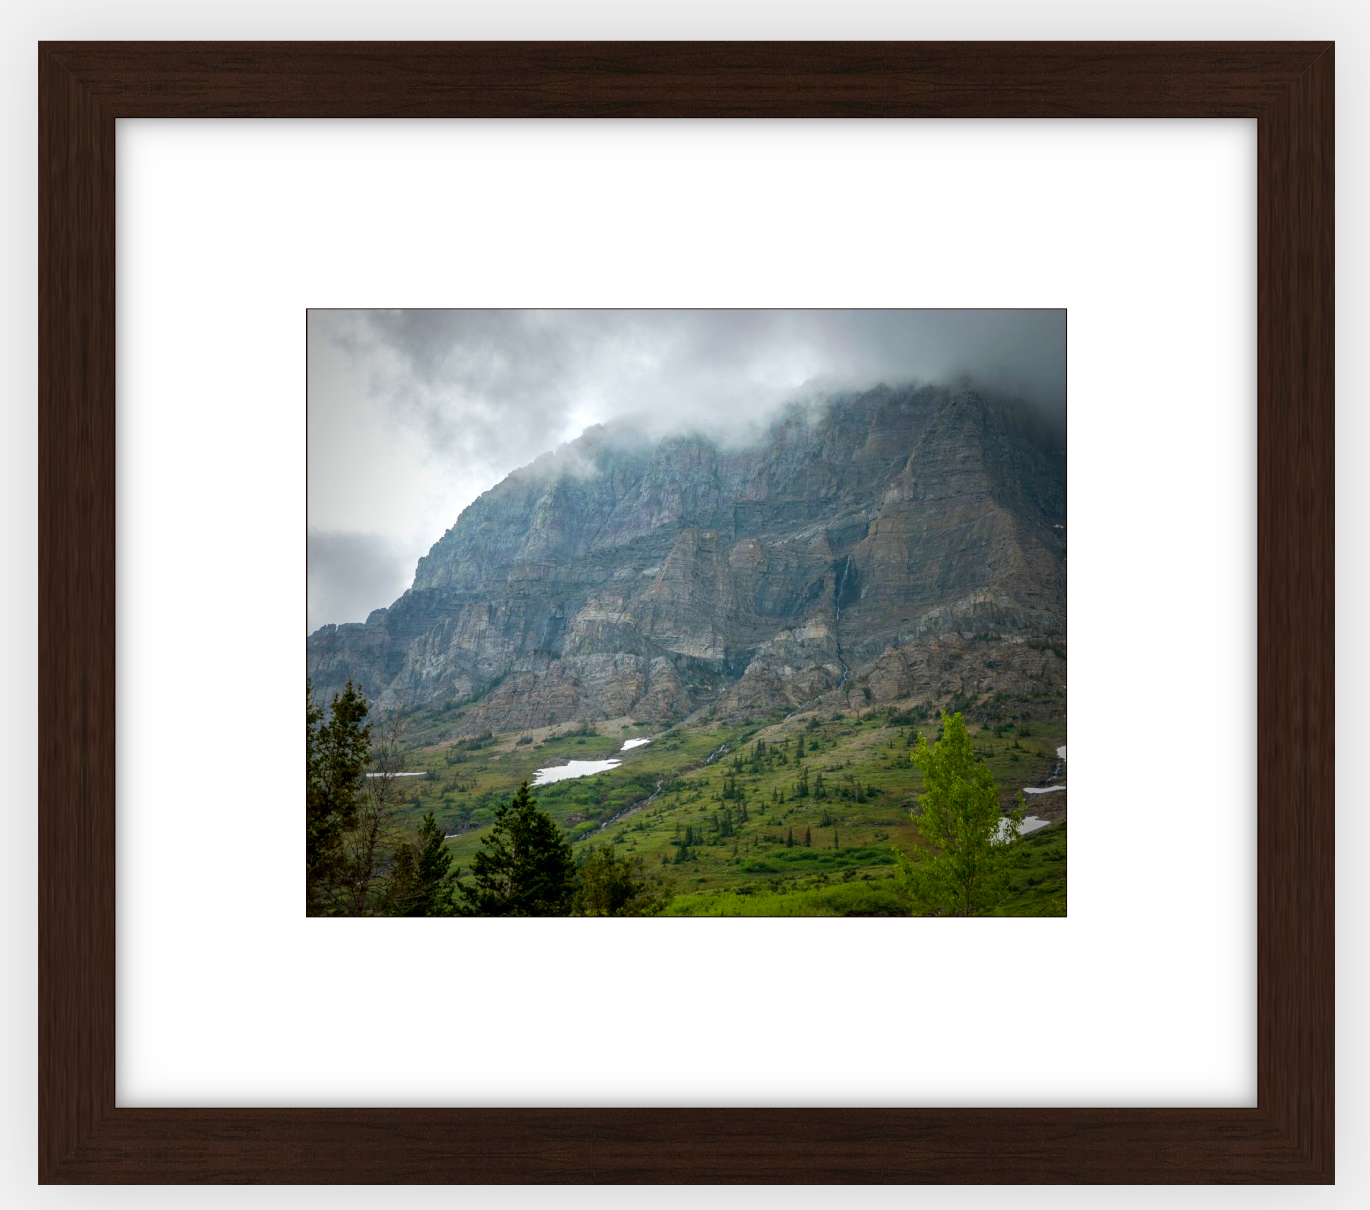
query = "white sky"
x=412 y=414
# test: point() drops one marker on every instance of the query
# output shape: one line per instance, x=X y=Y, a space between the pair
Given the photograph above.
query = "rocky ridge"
x=902 y=542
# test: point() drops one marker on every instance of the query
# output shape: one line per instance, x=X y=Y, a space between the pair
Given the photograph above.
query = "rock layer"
x=901 y=542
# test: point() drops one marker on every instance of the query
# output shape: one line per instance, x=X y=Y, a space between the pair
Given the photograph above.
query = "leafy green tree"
x=338 y=749
x=967 y=870
x=616 y=886
x=421 y=881
x=524 y=867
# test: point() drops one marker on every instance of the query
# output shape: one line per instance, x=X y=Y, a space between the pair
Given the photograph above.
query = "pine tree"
x=420 y=882
x=612 y=886
x=524 y=867
x=337 y=751
x=808 y=840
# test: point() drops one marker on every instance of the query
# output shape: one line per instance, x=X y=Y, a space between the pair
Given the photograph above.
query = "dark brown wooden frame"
x=1286 y=87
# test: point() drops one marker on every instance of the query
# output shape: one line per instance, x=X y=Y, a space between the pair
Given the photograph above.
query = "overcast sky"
x=412 y=414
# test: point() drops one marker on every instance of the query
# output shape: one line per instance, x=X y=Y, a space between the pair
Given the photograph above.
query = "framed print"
x=87 y=1135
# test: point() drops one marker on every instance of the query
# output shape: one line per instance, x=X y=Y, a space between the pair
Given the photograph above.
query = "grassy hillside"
x=787 y=817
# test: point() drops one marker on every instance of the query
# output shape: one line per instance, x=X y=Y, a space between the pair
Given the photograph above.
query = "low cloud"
x=413 y=413
x=349 y=573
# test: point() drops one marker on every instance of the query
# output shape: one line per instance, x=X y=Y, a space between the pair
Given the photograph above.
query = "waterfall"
x=837 y=601
x=837 y=620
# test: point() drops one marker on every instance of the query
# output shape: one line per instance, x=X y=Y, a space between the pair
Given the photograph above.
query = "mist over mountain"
x=413 y=413
x=858 y=547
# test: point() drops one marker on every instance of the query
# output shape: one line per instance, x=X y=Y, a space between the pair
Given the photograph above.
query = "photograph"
x=685 y=519
x=686 y=612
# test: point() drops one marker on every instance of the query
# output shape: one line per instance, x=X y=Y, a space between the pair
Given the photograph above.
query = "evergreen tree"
x=808 y=840
x=421 y=882
x=614 y=886
x=338 y=748
x=524 y=867
x=789 y=839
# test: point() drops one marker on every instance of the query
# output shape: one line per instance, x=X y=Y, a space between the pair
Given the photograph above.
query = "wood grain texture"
x=686 y=1146
x=685 y=79
x=1295 y=670
x=75 y=613
x=1287 y=87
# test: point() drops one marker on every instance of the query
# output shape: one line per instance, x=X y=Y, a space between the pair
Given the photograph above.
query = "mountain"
x=901 y=542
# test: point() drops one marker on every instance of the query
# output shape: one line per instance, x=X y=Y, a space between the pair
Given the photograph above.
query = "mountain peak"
x=851 y=546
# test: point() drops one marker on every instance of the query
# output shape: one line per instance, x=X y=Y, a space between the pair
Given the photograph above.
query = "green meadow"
x=777 y=817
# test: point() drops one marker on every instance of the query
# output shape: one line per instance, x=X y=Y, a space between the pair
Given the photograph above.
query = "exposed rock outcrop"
x=905 y=541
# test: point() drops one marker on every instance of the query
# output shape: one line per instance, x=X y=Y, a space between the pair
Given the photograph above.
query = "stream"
x=1056 y=772
x=837 y=622
x=635 y=806
x=1030 y=822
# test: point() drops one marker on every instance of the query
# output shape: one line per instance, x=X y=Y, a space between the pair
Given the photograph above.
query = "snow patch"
x=1030 y=824
x=575 y=768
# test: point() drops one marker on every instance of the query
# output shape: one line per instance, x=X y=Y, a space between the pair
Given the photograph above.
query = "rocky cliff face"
x=902 y=542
